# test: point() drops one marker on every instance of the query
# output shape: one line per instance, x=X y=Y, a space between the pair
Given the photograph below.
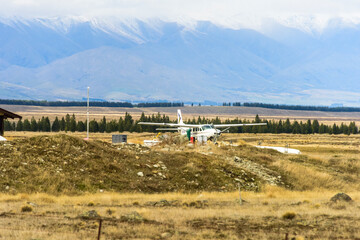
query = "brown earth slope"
x=64 y=164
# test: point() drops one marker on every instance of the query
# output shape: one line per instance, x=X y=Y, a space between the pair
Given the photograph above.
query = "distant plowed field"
x=188 y=113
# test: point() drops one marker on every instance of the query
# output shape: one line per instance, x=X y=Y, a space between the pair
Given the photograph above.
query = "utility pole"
x=87 y=115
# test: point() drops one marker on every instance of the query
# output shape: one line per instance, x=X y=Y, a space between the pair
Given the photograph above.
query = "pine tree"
x=335 y=129
x=308 y=127
x=102 y=125
x=72 y=123
x=34 y=125
x=26 y=125
x=279 y=127
x=352 y=128
x=67 y=122
x=40 y=124
x=121 y=125
x=94 y=126
x=56 y=125
x=315 y=126
x=46 y=125
x=322 y=129
x=302 y=128
x=287 y=126
x=128 y=122
x=112 y=126
x=296 y=127
x=19 y=126
x=8 y=126
x=80 y=127
x=62 y=124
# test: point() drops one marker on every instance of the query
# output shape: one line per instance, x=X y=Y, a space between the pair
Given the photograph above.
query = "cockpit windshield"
x=206 y=127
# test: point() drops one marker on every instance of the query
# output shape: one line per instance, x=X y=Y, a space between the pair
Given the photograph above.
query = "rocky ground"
x=65 y=164
x=60 y=187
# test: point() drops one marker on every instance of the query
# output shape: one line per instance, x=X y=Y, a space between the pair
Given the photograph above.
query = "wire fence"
x=58 y=220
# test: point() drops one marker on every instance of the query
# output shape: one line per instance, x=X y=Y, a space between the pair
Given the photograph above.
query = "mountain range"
x=154 y=60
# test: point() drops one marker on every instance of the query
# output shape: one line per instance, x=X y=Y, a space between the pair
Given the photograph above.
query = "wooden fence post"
x=99 y=233
x=240 y=195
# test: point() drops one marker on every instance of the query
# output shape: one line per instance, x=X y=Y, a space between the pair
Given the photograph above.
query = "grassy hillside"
x=57 y=164
x=65 y=164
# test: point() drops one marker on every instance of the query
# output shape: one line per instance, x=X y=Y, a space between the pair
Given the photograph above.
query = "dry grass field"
x=271 y=214
x=297 y=207
x=188 y=113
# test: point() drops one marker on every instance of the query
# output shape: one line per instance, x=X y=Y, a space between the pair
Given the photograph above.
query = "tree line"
x=294 y=107
x=127 y=123
x=172 y=104
x=92 y=103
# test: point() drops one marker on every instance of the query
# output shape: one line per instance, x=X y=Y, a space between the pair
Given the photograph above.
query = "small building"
x=119 y=138
x=4 y=114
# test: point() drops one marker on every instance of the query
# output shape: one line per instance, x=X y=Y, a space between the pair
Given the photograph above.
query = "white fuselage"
x=201 y=131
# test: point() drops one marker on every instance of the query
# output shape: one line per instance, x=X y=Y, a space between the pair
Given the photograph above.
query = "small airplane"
x=210 y=131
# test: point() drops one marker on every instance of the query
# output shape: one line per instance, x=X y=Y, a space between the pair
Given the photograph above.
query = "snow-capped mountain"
x=56 y=59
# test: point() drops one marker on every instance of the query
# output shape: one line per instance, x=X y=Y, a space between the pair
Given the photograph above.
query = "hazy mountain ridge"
x=58 y=58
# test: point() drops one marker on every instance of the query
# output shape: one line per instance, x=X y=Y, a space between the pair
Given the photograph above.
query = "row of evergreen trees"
x=92 y=103
x=294 y=107
x=127 y=123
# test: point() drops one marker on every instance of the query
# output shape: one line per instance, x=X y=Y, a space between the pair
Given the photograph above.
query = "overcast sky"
x=219 y=11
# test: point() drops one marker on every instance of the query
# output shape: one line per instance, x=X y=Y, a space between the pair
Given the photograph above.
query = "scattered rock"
x=133 y=217
x=162 y=203
x=237 y=159
x=89 y=215
x=140 y=174
x=32 y=204
x=198 y=204
x=166 y=235
x=341 y=197
x=267 y=175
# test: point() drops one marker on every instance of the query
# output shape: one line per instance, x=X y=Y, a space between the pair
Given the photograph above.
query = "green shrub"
x=26 y=209
x=289 y=215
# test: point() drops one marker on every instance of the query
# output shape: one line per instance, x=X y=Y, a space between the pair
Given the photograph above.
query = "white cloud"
x=225 y=12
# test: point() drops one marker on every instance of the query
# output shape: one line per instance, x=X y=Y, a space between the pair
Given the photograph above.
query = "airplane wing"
x=238 y=125
x=170 y=124
x=167 y=129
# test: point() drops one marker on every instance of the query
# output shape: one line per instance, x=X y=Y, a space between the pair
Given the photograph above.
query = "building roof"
x=8 y=114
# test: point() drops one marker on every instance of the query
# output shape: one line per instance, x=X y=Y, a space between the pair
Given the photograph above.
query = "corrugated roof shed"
x=4 y=114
